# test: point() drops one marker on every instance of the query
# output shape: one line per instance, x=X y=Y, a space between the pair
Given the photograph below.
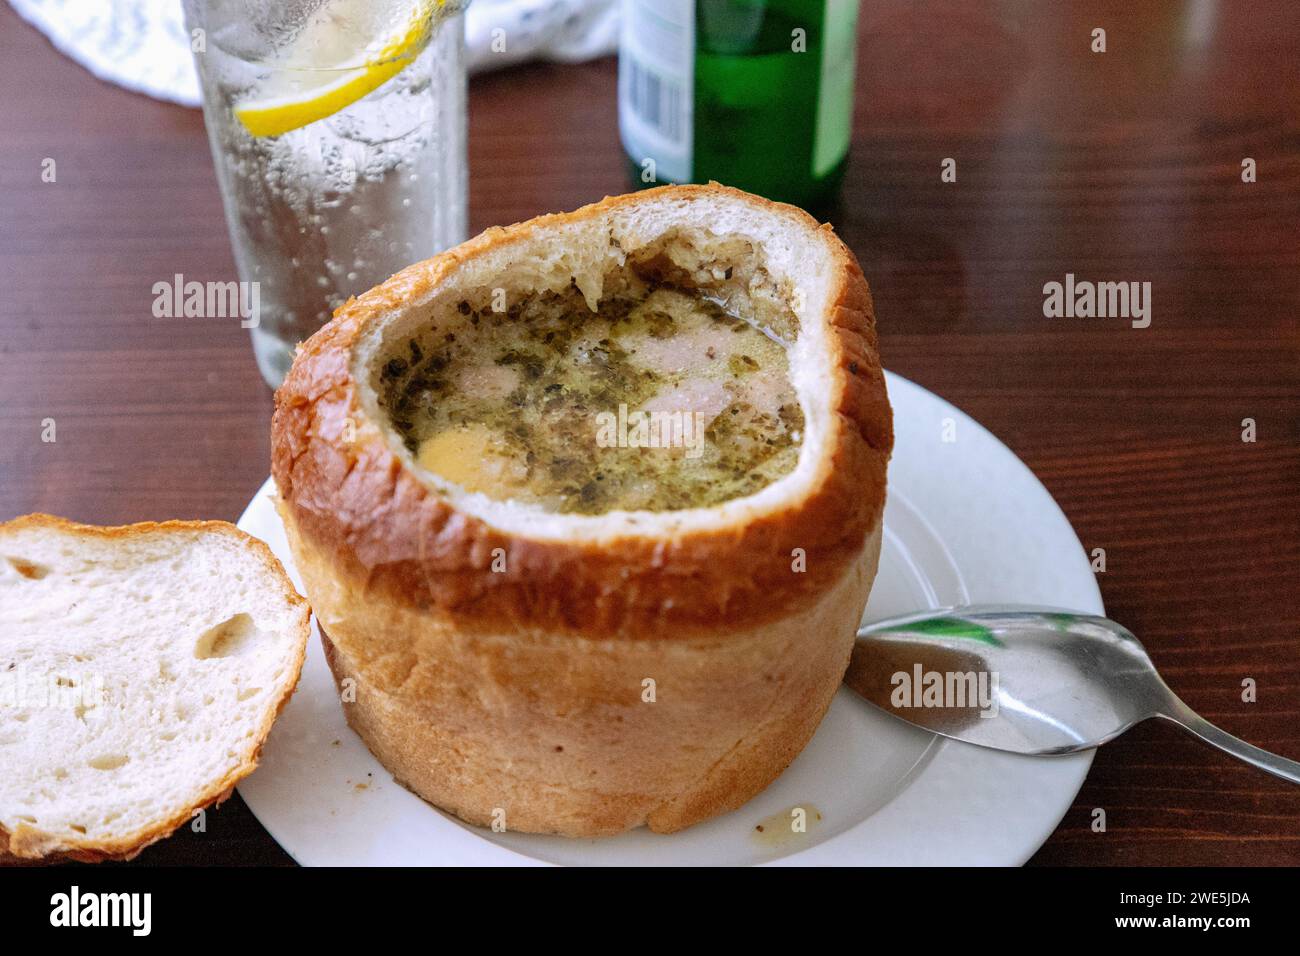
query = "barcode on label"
x=656 y=100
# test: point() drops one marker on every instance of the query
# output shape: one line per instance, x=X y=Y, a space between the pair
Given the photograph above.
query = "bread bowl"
x=526 y=652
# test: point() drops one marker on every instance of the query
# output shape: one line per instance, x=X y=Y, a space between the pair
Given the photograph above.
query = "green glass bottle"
x=757 y=94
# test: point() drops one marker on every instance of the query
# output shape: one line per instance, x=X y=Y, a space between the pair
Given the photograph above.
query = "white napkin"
x=142 y=44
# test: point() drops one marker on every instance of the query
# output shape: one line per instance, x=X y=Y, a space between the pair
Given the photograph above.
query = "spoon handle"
x=1198 y=726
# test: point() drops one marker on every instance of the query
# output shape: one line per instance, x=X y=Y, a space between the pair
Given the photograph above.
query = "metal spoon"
x=1028 y=680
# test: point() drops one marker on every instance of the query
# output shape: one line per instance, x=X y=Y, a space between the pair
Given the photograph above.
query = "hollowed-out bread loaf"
x=141 y=668
x=557 y=671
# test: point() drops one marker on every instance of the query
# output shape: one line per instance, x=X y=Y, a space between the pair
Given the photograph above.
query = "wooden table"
x=1123 y=165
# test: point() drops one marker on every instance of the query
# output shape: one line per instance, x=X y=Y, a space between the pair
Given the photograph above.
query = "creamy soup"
x=660 y=400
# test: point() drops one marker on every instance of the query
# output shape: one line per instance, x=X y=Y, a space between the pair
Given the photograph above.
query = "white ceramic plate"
x=966 y=522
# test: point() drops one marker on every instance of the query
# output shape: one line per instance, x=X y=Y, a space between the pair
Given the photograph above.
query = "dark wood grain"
x=1123 y=165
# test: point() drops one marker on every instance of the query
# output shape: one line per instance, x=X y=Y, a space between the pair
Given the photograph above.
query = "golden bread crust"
x=563 y=736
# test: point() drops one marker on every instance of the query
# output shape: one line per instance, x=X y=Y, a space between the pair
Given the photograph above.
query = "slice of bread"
x=141 y=668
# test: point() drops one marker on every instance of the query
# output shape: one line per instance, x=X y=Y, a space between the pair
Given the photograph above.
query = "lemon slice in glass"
x=334 y=61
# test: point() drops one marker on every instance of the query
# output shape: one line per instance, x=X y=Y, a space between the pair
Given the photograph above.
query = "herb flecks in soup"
x=660 y=400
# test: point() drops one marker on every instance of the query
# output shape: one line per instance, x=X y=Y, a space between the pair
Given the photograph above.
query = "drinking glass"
x=338 y=134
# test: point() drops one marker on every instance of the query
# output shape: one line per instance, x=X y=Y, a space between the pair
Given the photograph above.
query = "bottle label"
x=835 y=92
x=656 y=68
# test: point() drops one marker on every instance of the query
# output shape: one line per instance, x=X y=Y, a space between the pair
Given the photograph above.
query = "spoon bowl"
x=1028 y=680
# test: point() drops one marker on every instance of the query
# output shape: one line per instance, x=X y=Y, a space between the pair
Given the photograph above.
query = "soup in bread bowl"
x=589 y=507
